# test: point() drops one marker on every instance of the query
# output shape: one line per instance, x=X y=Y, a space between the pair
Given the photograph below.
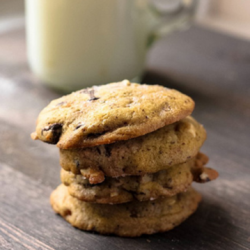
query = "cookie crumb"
x=204 y=177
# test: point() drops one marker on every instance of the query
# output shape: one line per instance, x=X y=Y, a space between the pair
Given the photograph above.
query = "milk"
x=80 y=43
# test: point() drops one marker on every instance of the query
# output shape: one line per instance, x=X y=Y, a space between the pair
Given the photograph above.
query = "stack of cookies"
x=129 y=154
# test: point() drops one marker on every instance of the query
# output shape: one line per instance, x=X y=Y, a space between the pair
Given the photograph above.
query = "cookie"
x=110 y=113
x=128 y=220
x=161 y=149
x=165 y=183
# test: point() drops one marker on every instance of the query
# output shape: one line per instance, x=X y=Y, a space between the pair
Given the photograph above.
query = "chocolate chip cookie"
x=128 y=220
x=129 y=154
x=173 y=144
x=110 y=113
x=164 y=183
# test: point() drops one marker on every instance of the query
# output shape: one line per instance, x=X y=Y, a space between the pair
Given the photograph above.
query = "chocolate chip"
x=94 y=99
x=108 y=150
x=133 y=214
x=177 y=128
x=95 y=135
x=79 y=125
x=77 y=163
x=55 y=130
x=54 y=126
x=98 y=150
x=67 y=212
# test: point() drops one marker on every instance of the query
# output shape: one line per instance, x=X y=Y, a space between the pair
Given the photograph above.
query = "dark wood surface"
x=212 y=68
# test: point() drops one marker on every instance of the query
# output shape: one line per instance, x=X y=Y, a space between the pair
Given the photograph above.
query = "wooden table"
x=212 y=68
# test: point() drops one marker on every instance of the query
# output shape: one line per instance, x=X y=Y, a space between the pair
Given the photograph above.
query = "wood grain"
x=212 y=68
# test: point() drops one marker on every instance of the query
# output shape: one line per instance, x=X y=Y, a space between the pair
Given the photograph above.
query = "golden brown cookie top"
x=110 y=113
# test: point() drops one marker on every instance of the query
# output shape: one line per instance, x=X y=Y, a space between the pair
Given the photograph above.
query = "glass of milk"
x=80 y=43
